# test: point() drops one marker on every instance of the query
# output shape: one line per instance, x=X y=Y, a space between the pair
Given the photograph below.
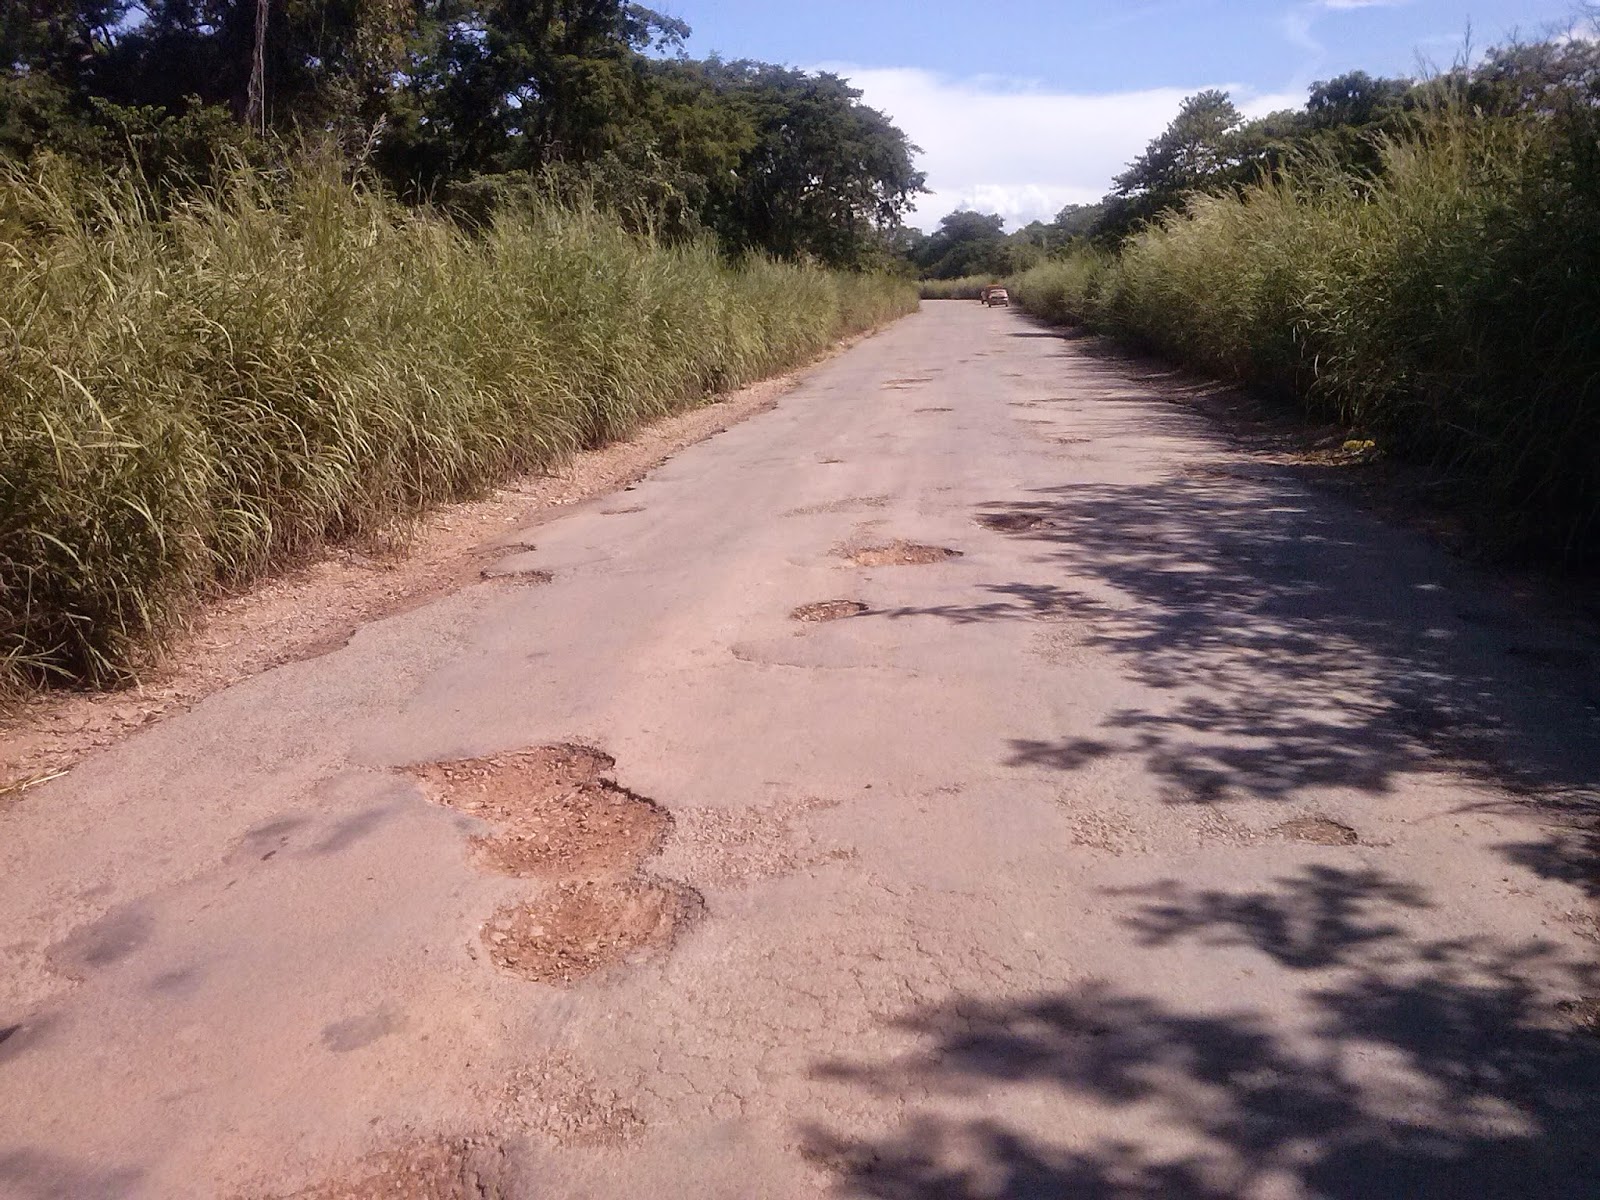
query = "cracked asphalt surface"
x=1188 y=834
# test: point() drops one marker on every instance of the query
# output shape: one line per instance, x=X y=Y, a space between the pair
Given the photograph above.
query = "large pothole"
x=556 y=813
x=828 y=610
x=574 y=930
x=900 y=554
x=1319 y=831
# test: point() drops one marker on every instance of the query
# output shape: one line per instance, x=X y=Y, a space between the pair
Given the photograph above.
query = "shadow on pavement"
x=1286 y=643
x=1422 y=1069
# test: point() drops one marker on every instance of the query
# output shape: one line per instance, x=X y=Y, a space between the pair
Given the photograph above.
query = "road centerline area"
x=972 y=777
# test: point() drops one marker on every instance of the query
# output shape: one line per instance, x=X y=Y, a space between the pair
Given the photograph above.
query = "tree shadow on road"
x=1403 y=1067
x=1287 y=643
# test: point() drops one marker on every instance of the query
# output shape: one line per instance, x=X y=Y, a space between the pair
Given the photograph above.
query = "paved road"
x=1190 y=834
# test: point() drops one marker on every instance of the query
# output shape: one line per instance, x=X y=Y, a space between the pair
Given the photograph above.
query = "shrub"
x=1449 y=305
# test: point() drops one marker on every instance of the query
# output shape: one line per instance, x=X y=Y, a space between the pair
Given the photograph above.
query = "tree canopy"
x=461 y=102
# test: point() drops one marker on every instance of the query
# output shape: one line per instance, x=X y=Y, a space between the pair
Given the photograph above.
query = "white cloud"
x=1021 y=151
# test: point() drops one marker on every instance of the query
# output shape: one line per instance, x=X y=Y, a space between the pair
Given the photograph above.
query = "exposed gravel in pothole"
x=452 y=1169
x=900 y=554
x=1583 y=1012
x=526 y=575
x=846 y=504
x=1013 y=522
x=1317 y=830
x=829 y=610
x=557 y=813
x=574 y=930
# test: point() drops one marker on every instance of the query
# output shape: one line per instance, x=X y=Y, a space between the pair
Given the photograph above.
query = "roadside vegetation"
x=1420 y=261
x=326 y=294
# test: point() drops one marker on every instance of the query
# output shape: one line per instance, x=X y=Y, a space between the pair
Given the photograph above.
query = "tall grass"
x=1452 y=307
x=189 y=399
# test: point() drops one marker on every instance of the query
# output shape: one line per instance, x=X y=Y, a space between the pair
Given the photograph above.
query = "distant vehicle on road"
x=996 y=295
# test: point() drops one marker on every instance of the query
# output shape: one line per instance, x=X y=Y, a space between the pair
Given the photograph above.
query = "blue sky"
x=1024 y=105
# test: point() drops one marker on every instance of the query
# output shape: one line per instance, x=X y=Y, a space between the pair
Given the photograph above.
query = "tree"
x=470 y=102
x=826 y=177
x=966 y=243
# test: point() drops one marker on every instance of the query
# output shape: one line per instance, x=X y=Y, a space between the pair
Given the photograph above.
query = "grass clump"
x=1449 y=304
x=194 y=397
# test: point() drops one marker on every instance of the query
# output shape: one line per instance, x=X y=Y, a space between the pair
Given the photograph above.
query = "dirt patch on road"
x=900 y=554
x=1319 y=831
x=453 y=1169
x=574 y=930
x=558 y=814
x=828 y=610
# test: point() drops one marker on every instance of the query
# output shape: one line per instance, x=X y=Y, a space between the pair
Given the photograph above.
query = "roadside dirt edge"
x=318 y=607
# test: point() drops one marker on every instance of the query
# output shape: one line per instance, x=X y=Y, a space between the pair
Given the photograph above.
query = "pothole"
x=620 y=512
x=1013 y=522
x=847 y=504
x=900 y=554
x=558 y=814
x=575 y=930
x=909 y=381
x=467 y=1168
x=1317 y=830
x=531 y=576
x=829 y=610
x=934 y=410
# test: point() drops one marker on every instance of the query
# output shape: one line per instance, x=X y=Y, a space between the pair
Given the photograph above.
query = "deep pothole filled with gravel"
x=559 y=817
x=900 y=554
x=574 y=930
x=556 y=812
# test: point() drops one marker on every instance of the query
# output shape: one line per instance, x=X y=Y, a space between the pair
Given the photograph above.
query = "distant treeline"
x=1210 y=149
x=460 y=104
